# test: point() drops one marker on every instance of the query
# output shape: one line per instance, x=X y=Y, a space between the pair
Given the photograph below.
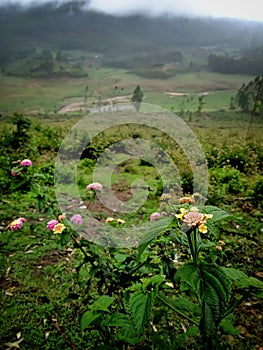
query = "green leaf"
x=228 y=328
x=151 y=234
x=119 y=320
x=87 y=318
x=140 y=306
x=184 y=304
x=153 y=281
x=190 y=273
x=212 y=288
x=216 y=292
x=102 y=304
x=218 y=214
x=241 y=279
x=128 y=333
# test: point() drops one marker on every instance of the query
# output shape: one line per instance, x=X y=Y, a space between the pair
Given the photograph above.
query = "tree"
x=48 y=61
x=250 y=99
x=250 y=96
x=137 y=97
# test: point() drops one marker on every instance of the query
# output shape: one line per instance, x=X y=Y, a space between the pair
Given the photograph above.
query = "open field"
x=50 y=95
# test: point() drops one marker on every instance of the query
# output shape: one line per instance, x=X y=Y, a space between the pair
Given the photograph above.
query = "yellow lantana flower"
x=202 y=228
x=109 y=220
x=208 y=216
x=59 y=228
x=120 y=221
x=183 y=212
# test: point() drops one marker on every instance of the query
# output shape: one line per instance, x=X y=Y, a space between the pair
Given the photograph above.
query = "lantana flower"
x=155 y=216
x=51 y=224
x=13 y=173
x=59 y=228
x=17 y=224
x=95 y=186
x=165 y=197
x=77 y=219
x=189 y=200
x=108 y=220
x=193 y=218
x=62 y=217
x=120 y=221
x=183 y=211
x=26 y=162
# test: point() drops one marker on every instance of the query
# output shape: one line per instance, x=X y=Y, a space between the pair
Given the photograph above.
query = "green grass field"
x=49 y=95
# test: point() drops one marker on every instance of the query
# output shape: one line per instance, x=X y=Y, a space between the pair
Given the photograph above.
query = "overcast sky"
x=241 y=9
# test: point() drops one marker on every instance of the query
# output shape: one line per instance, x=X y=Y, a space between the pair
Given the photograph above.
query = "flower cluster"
x=119 y=221
x=193 y=218
x=155 y=216
x=76 y=219
x=94 y=186
x=22 y=164
x=57 y=227
x=16 y=224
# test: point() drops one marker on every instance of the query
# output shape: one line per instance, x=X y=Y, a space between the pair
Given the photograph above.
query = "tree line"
x=232 y=65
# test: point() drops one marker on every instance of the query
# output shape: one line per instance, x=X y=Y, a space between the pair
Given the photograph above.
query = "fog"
x=236 y=9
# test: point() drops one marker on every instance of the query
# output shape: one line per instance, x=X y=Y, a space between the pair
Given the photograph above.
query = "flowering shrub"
x=132 y=287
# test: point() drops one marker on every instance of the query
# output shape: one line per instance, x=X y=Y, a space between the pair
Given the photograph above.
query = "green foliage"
x=250 y=96
x=140 y=307
x=137 y=97
x=232 y=65
x=151 y=234
x=241 y=279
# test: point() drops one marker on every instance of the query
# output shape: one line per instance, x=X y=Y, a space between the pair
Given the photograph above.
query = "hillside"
x=70 y=27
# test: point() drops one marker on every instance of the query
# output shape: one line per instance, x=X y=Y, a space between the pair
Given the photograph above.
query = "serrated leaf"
x=241 y=279
x=153 y=281
x=184 y=304
x=87 y=318
x=190 y=273
x=216 y=292
x=218 y=214
x=228 y=328
x=102 y=303
x=151 y=234
x=119 y=320
x=140 y=307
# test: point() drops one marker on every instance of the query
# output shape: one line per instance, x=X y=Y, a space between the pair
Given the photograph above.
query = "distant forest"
x=69 y=27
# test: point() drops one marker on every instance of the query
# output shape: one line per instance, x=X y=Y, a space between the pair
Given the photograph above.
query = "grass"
x=44 y=95
x=41 y=298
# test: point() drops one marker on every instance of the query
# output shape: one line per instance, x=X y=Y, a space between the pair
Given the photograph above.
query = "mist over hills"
x=67 y=26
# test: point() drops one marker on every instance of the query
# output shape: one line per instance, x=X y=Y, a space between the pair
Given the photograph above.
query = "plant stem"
x=195 y=246
x=79 y=245
x=162 y=299
x=191 y=245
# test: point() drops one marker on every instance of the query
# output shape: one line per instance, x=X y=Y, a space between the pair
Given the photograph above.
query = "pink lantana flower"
x=51 y=224
x=17 y=224
x=77 y=219
x=26 y=162
x=155 y=216
x=13 y=173
x=95 y=186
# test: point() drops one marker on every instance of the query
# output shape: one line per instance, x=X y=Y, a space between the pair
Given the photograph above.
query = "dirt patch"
x=175 y=93
x=53 y=257
x=82 y=105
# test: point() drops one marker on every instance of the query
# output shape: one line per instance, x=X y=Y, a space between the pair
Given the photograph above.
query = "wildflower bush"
x=183 y=286
x=133 y=297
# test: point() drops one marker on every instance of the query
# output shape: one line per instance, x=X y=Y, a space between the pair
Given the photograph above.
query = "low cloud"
x=240 y=9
